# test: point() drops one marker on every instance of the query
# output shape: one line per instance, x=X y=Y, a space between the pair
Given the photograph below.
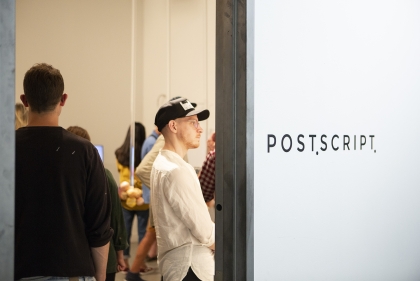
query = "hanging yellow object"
x=131 y=202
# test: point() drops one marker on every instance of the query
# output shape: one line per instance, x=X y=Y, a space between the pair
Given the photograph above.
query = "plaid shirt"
x=208 y=177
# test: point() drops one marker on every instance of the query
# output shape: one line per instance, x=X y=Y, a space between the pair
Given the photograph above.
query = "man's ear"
x=172 y=126
x=63 y=99
x=24 y=101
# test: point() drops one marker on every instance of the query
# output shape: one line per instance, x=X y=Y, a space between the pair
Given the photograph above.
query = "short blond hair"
x=21 y=116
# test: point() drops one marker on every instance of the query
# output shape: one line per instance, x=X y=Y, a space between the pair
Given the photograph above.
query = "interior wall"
x=179 y=59
x=90 y=42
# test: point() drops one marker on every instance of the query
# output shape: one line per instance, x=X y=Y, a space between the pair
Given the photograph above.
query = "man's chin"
x=194 y=145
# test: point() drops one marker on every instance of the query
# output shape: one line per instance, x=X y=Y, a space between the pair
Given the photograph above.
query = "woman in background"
x=118 y=242
x=21 y=116
x=123 y=164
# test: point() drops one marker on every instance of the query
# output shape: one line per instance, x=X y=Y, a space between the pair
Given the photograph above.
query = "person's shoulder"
x=165 y=162
x=152 y=137
x=49 y=134
x=172 y=156
x=181 y=174
x=44 y=130
x=81 y=144
x=179 y=166
x=148 y=143
x=76 y=140
x=108 y=173
x=160 y=139
x=110 y=178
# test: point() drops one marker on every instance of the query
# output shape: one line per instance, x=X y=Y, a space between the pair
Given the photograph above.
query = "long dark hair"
x=123 y=153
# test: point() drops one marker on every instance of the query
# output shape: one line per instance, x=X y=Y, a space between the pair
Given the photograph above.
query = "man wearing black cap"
x=184 y=229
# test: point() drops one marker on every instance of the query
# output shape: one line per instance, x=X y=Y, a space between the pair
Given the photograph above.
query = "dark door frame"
x=7 y=138
x=234 y=140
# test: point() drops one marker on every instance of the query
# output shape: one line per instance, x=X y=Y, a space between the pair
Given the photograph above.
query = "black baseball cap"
x=178 y=108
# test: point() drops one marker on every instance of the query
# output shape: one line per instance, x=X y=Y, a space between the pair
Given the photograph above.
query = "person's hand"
x=121 y=266
x=211 y=203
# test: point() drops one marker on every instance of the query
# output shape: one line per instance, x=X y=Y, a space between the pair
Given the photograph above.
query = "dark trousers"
x=142 y=217
x=110 y=276
x=190 y=276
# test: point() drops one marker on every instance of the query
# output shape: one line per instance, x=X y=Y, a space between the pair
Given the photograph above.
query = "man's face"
x=189 y=131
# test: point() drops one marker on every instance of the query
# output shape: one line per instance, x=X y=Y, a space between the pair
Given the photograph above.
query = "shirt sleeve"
x=185 y=198
x=208 y=176
x=147 y=146
x=145 y=167
x=97 y=203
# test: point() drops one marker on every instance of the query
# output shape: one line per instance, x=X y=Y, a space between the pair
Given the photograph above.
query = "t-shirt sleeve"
x=97 y=202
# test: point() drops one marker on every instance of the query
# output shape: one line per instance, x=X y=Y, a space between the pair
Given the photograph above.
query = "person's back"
x=62 y=210
x=57 y=174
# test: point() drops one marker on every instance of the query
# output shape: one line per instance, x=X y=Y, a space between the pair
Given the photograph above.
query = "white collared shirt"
x=184 y=229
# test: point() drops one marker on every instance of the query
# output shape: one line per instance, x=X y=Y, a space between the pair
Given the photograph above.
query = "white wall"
x=90 y=42
x=179 y=58
x=344 y=68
